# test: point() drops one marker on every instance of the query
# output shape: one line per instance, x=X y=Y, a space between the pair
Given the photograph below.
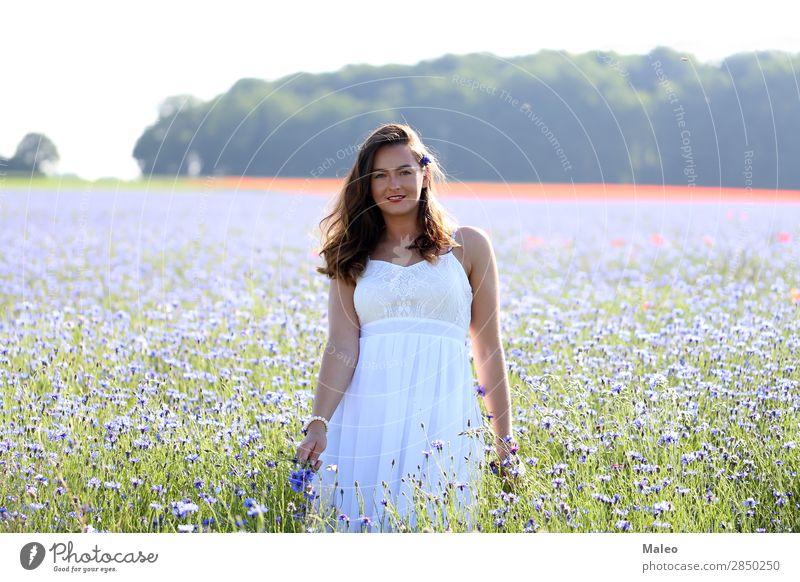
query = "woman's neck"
x=401 y=232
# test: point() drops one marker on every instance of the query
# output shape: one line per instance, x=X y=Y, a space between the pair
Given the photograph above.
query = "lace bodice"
x=431 y=291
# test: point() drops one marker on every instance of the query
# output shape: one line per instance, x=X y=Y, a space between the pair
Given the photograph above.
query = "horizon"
x=546 y=192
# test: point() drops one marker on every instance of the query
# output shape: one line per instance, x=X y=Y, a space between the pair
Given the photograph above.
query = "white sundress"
x=411 y=399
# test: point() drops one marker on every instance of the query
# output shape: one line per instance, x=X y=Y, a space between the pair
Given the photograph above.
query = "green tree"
x=36 y=153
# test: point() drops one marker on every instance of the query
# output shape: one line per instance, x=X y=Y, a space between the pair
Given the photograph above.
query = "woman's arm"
x=487 y=347
x=336 y=369
x=341 y=352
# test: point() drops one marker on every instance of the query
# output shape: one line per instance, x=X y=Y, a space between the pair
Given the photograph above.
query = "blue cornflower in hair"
x=424 y=161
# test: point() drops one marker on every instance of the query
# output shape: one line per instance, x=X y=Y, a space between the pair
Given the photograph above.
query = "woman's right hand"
x=315 y=442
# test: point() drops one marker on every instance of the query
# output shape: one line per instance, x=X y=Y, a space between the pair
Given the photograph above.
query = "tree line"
x=551 y=117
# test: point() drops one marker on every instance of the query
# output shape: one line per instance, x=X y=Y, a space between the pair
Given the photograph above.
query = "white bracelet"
x=322 y=419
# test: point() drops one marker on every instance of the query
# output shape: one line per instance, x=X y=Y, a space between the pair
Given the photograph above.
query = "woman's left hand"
x=502 y=452
x=505 y=447
x=506 y=462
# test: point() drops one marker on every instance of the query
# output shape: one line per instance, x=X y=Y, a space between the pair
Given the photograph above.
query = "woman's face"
x=397 y=180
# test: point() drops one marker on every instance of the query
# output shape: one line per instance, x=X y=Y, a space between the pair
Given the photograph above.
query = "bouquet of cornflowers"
x=301 y=480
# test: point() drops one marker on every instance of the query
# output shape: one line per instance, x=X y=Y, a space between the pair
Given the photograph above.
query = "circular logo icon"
x=31 y=555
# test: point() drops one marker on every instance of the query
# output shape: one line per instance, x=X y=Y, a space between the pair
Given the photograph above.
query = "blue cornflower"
x=181 y=508
x=668 y=438
x=249 y=502
x=192 y=458
x=531 y=526
x=256 y=509
x=142 y=443
x=299 y=479
x=343 y=517
x=661 y=506
x=750 y=502
x=424 y=161
x=437 y=444
x=480 y=391
x=623 y=524
x=94 y=482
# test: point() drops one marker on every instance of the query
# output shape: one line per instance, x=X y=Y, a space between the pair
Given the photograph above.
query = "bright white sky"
x=90 y=75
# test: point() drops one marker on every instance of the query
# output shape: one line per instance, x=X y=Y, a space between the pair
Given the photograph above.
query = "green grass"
x=574 y=415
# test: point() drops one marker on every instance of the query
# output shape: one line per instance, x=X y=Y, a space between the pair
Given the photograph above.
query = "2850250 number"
x=755 y=565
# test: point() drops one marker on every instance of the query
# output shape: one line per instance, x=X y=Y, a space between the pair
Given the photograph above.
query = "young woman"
x=395 y=410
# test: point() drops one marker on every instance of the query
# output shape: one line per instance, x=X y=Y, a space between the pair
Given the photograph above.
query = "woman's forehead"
x=393 y=156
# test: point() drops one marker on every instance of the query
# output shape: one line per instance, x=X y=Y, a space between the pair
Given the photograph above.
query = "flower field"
x=159 y=353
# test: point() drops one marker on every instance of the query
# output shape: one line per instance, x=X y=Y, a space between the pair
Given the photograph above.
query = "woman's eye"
x=379 y=176
x=405 y=172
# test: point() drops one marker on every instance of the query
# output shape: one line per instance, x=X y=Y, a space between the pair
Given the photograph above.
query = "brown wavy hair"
x=354 y=227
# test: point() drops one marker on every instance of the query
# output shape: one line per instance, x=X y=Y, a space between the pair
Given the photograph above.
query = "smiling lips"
x=397 y=198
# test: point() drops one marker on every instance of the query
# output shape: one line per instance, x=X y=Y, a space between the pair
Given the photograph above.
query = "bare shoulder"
x=476 y=246
x=471 y=234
